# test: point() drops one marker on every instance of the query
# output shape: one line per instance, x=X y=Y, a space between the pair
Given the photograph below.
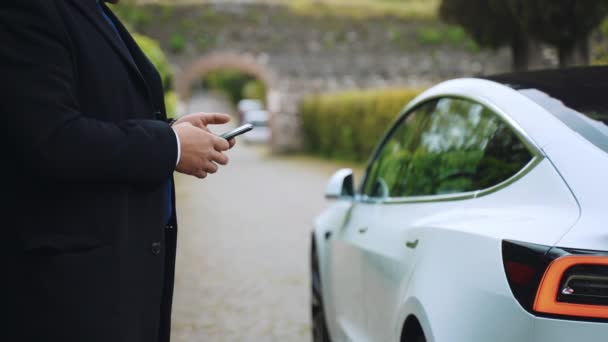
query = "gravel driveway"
x=242 y=263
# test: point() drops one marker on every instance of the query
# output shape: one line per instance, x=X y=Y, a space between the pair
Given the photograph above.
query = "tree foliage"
x=565 y=24
x=491 y=24
x=559 y=22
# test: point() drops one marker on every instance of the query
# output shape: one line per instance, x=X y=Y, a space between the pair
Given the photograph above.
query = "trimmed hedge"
x=348 y=125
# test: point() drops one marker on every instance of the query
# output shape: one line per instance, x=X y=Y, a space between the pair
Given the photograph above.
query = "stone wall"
x=308 y=54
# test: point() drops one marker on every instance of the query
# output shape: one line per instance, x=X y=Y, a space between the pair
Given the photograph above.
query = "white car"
x=246 y=105
x=261 y=130
x=481 y=218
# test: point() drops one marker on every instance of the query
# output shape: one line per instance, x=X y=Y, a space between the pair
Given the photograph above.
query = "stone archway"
x=208 y=63
x=282 y=138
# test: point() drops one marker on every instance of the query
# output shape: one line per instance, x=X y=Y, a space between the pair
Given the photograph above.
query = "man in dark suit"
x=89 y=232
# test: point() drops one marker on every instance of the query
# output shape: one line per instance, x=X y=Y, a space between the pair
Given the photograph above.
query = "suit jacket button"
x=169 y=227
x=156 y=248
x=158 y=115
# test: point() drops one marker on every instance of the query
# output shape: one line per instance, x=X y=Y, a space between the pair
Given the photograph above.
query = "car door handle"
x=363 y=230
x=412 y=244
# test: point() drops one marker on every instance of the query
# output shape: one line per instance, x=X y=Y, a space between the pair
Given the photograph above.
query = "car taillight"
x=575 y=285
x=524 y=265
x=585 y=284
x=557 y=282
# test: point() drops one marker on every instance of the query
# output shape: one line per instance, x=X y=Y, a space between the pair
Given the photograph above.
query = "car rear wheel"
x=419 y=338
x=412 y=331
x=320 y=332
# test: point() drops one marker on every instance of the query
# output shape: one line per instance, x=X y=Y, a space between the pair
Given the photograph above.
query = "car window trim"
x=535 y=151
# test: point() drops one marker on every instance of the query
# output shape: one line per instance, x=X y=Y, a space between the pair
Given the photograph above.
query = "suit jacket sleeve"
x=45 y=125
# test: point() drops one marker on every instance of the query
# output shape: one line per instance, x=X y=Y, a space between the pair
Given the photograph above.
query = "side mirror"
x=340 y=185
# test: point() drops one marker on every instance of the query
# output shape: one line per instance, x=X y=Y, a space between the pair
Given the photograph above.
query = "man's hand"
x=200 y=150
x=202 y=120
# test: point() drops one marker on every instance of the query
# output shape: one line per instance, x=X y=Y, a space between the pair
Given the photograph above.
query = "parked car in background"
x=247 y=105
x=261 y=131
x=481 y=217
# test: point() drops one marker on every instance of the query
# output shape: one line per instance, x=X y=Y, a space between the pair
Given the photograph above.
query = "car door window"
x=445 y=146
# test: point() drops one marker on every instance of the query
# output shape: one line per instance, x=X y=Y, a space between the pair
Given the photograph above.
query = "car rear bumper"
x=557 y=330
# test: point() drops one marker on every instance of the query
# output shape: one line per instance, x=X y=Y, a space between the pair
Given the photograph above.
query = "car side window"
x=445 y=146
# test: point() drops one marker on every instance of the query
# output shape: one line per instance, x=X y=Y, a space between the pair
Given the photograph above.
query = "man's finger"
x=201 y=174
x=220 y=144
x=215 y=118
x=199 y=123
x=210 y=167
x=232 y=142
x=219 y=158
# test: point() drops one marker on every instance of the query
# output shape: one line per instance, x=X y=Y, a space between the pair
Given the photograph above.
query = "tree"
x=491 y=24
x=565 y=24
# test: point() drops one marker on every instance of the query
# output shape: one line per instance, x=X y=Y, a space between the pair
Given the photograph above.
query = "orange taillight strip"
x=546 y=297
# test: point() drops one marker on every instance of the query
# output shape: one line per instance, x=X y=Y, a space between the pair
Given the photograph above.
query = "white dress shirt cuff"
x=179 y=148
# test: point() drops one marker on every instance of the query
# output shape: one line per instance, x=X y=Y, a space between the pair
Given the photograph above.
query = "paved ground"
x=242 y=264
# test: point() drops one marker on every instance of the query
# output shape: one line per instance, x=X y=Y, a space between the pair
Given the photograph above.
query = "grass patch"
x=441 y=35
x=361 y=9
x=364 y=9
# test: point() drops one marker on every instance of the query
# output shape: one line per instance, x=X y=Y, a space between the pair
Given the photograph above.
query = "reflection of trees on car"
x=447 y=146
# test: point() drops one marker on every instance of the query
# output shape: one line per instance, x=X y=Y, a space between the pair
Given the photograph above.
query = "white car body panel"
x=560 y=330
x=261 y=132
x=580 y=161
x=466 y=227
x=347 y=278
x=246 y=105
x=456 y=295
x=259 y=135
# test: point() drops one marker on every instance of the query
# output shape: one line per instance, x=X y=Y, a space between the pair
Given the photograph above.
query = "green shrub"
x=177 y=42
x=348 y=125
x=132 y=14
x=430 y=36
x=235 y=84
x=436 y=35
x=152 y=50
x=255 y=90
x=171 y=104
x=456 y=35
x=600 y=51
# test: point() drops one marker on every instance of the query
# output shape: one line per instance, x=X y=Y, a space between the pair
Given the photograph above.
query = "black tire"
x=419 y=338
x=412 y=331
x=320 y=333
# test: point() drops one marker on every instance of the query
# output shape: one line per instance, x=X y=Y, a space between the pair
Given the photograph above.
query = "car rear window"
x=588 y=118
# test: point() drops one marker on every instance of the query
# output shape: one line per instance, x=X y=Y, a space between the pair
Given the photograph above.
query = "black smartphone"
x=237 y=131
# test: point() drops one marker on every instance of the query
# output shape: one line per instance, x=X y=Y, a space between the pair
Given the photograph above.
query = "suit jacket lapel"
x=89 y=9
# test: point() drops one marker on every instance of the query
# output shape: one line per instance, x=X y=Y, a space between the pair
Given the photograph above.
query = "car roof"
x=579 y=88
x=256 y=115
x=249 y=104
